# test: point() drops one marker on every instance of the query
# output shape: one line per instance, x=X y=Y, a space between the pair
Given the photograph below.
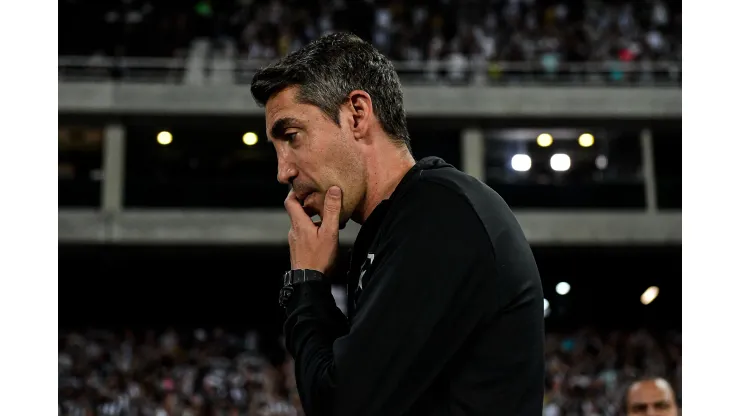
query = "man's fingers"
x=332 y=210
x=298 y=216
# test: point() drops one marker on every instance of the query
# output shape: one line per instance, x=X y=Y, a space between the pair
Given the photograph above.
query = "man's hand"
x=314 y=246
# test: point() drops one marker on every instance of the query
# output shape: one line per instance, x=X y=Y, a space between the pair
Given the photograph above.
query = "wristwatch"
x=294 y=277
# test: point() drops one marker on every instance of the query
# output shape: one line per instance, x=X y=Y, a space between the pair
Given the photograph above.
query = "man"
x=651 y=397
x=445 y=300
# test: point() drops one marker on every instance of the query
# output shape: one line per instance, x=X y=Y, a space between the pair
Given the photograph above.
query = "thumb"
x=332 y=210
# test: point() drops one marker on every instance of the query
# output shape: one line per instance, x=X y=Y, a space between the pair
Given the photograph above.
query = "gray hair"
x=327 y=69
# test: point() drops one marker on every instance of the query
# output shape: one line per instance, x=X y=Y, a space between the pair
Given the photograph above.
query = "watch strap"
x=294 y=277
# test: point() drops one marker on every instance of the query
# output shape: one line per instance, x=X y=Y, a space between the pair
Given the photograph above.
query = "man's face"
x=651 y=398
x=314 y=153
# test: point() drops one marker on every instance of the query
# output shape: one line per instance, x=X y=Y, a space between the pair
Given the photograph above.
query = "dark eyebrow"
x=280 y=125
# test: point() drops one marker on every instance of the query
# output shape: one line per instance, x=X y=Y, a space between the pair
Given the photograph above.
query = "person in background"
x=651 y=397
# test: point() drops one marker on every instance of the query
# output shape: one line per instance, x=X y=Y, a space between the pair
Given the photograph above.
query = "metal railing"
x=172 y=70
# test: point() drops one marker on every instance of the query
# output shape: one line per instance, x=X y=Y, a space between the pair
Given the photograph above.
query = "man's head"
x=327 y=106
x=653 y=397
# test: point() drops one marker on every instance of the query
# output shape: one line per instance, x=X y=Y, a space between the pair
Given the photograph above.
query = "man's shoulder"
x=462 y=199
x=433 y=210
x=440 y=192
x=455 y=181
x=443 y=199
x=450 y=184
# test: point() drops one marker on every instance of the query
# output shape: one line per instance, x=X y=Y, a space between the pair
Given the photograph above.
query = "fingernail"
x=335 y=192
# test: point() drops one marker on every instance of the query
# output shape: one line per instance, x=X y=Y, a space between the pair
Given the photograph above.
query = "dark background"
x=236 y=286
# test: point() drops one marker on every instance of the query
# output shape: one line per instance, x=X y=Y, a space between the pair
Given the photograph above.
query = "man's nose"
x=286 y=173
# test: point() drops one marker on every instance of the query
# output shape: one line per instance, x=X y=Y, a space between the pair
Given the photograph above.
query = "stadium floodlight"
x=250 y=139
x=649 y=295
x=586 y=140
x=562 y=288
x=164 y=138
x=521 y=163
x=560 y=162
x=544 y=139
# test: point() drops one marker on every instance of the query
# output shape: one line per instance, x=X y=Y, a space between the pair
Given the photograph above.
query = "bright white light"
x=521 y=163
x=649 y=295
x=562 y=288
x=250 y=139
x=602 y=162
x=547 y=308
x=560 y=162
x=164 y=138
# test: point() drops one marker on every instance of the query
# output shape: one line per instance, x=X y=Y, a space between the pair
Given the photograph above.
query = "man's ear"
x=361 y=109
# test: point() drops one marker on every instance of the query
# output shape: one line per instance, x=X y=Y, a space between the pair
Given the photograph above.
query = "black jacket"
x=445 y=310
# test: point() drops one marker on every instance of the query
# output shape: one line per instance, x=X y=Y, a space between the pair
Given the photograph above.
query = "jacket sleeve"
x=417 y=277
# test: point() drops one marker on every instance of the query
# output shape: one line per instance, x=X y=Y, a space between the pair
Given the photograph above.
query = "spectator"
x=653 y=396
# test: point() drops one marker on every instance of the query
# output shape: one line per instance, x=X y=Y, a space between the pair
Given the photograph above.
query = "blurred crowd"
x=224 y=374
x=588 y=372
x=544 y=31
x=172 y=373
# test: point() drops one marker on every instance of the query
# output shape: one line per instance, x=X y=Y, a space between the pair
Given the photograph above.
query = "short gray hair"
x=327 y=69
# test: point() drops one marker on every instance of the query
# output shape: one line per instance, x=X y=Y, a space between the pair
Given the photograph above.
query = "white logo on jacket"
x=366 y=265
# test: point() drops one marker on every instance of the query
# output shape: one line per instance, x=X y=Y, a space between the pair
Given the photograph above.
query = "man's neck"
x=383 y=176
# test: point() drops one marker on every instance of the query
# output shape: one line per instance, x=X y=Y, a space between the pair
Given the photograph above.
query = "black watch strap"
x=293 y=277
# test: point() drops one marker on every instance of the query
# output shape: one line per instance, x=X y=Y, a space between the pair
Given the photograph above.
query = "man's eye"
x=290 y=136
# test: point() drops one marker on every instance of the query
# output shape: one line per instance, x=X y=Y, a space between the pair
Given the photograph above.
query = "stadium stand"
x=220 y=373
x=431 y=41
x=508 y=30
x=158 y=316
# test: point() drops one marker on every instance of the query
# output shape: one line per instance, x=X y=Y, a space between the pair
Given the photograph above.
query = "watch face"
x=285 y=295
